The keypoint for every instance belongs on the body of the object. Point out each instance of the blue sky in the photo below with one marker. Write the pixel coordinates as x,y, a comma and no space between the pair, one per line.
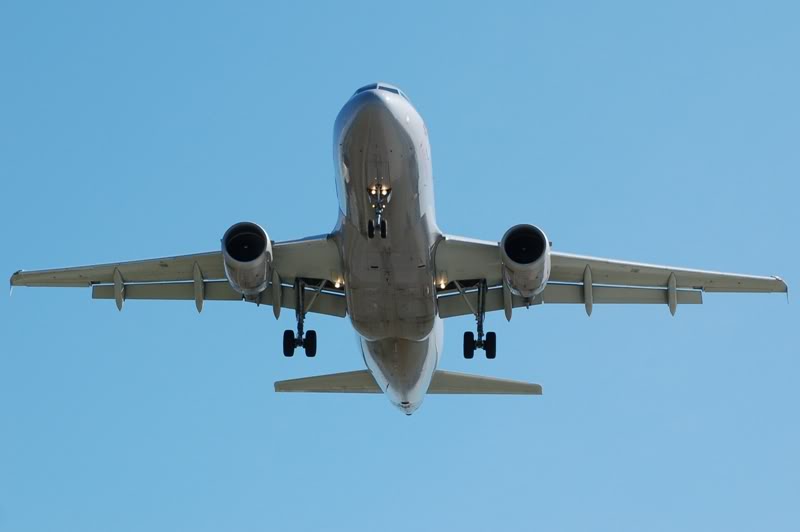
660,132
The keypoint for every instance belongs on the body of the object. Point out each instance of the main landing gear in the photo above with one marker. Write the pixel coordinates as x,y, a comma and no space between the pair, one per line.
307,340
379,196
489,343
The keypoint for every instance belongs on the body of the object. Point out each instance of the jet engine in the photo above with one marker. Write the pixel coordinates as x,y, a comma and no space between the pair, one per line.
525,252
247,254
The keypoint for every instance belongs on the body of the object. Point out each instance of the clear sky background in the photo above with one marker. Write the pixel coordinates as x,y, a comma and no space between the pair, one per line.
661,132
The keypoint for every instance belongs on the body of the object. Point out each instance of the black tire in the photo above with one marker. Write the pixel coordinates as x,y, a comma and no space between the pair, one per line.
310,344
370,229
383,228
490,345
288,343
469,344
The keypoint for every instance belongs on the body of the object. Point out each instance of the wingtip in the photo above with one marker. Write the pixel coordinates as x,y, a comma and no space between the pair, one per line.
11,281
784,286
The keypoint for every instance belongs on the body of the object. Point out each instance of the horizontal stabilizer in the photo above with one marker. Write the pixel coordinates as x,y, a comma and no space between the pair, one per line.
350,382
444,382
450,382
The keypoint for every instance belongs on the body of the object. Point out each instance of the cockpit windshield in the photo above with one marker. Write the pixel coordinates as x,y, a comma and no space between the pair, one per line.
383,87
371,86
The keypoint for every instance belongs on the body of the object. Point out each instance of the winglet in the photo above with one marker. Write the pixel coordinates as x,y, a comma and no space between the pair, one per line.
11,282
785,286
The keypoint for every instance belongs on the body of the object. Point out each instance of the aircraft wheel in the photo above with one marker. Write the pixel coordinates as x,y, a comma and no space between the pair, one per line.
490,345
383,228
469,344
371,229
288,343
310,343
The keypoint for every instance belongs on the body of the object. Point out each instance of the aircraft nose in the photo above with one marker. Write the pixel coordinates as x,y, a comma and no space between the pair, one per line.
367,97
372,106
369,112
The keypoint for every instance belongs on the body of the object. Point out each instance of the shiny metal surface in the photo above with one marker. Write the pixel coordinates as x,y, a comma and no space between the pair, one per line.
525,253
381,263
381,141
403,368
247,257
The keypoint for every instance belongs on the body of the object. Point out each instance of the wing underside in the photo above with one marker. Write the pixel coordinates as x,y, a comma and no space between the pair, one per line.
464,262
201,277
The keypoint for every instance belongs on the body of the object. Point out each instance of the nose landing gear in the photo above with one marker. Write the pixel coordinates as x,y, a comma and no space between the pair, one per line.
380,223
379,196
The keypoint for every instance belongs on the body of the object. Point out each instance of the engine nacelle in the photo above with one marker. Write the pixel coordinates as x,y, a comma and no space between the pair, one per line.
525,252
247,254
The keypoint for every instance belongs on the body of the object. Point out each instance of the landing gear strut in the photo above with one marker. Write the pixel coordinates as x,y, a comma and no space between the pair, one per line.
379,196
489,343
306,340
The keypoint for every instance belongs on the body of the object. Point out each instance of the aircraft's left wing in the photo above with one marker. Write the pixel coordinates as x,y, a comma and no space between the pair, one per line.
201,277
609,281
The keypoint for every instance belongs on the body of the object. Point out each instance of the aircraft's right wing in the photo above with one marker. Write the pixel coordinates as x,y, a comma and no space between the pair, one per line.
201,277
611,281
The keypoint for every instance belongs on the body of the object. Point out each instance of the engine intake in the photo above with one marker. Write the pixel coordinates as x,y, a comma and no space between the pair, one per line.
525,252
247,254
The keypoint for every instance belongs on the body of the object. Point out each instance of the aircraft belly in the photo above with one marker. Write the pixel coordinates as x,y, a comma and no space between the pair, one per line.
390,291
389,279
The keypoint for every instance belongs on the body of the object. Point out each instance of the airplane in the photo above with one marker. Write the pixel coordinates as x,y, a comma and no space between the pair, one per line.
389,267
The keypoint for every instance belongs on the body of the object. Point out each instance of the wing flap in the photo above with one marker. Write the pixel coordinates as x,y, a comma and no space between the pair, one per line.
213,291
332,304
452,304
570,293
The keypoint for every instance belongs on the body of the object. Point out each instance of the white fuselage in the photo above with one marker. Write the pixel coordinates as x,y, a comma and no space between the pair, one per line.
381,142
